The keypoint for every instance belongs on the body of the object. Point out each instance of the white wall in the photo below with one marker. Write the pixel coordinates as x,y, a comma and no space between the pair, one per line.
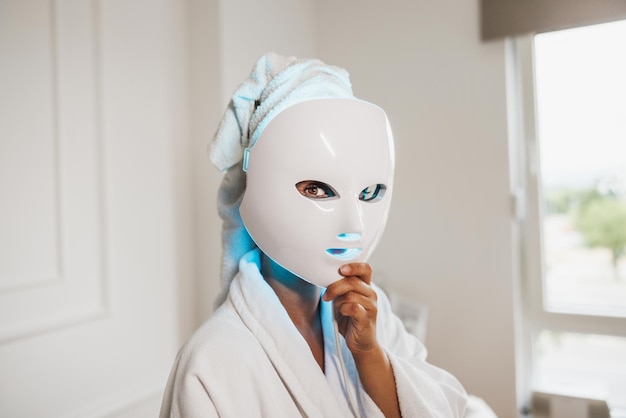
448,241
203,31
252,28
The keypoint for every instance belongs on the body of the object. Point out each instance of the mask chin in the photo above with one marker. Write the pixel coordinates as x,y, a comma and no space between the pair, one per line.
322,272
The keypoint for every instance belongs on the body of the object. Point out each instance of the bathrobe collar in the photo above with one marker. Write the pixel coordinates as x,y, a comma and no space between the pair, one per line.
261,311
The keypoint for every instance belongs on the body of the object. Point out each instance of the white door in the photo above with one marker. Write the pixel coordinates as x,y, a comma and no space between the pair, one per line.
88,305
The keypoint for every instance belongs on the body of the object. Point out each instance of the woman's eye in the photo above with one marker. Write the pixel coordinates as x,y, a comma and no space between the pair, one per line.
315,189
372,192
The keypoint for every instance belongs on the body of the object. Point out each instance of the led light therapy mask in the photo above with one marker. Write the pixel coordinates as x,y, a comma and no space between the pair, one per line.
319,183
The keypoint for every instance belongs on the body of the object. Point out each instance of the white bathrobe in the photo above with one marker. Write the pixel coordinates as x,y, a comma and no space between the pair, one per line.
249,360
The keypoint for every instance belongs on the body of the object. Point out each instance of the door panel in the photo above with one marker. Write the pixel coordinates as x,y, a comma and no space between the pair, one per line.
52,258
88,312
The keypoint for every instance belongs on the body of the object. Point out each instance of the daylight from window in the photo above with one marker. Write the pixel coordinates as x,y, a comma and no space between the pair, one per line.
580,77
581,115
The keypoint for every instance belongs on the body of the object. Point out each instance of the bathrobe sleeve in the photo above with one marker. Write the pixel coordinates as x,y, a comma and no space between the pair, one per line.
185,396
423,390
224,371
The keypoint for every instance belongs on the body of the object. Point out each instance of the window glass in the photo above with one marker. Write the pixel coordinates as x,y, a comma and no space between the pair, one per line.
580,77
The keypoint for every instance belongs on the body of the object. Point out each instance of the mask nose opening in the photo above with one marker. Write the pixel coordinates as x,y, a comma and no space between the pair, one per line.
349,236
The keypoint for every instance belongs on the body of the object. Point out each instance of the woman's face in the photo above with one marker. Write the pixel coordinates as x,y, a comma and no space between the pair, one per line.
319,186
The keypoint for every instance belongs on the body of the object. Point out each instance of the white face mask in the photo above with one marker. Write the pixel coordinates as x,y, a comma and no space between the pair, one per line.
319,186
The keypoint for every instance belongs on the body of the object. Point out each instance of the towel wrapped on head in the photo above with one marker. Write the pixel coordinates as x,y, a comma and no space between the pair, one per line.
275,83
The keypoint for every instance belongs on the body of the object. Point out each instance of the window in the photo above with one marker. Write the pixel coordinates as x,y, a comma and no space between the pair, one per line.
569,129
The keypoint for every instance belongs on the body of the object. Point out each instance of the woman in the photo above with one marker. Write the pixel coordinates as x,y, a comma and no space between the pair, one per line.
301,330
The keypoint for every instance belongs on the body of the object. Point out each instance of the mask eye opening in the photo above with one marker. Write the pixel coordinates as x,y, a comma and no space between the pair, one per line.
316,190
373,193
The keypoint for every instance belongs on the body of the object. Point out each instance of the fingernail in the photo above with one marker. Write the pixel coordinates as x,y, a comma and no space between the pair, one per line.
345,269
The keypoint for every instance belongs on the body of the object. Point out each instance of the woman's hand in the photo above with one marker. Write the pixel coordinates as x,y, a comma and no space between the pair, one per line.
354,303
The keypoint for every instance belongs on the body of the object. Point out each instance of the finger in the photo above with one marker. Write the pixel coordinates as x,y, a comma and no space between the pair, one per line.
348,284
361,270
368,303
356,311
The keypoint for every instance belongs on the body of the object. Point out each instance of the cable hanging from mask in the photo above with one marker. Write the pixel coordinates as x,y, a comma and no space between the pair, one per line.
352,401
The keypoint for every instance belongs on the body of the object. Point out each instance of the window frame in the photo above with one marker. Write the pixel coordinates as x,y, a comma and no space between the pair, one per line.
527,209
